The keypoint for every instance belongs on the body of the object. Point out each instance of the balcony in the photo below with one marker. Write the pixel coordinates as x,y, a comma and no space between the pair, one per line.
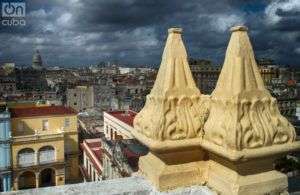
5,168
27,157
43,163
36,137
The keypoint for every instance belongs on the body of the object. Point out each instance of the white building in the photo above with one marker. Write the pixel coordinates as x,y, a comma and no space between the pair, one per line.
118,124
126,70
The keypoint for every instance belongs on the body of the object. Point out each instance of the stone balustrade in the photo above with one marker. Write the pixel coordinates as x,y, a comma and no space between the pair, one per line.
35,137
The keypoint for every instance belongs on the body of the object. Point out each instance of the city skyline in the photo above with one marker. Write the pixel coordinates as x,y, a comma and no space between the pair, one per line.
74,33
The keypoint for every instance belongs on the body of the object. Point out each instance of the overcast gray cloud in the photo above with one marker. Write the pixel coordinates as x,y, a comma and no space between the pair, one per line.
85,32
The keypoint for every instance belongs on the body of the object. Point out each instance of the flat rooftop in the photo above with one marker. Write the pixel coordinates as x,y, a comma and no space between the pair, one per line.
124,116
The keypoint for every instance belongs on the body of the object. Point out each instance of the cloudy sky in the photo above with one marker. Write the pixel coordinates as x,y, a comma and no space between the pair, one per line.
84,32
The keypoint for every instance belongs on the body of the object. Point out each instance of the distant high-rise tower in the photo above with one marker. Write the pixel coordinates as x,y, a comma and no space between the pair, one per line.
37,62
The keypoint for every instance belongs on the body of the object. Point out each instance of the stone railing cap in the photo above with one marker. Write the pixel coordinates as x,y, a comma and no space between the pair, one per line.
238,28
175,30
128,185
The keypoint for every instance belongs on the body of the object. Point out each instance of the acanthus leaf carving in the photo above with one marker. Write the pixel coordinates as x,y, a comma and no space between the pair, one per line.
243,114
174,109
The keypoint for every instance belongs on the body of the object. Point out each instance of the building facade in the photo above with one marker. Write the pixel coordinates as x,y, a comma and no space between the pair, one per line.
118,124
29,79
120,150
205,74
114,155
5,150
120,157
7,87
92,166
80,97
44,146
103,92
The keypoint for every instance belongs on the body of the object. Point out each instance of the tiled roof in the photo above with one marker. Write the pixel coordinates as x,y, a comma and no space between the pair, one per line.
41,111
126,117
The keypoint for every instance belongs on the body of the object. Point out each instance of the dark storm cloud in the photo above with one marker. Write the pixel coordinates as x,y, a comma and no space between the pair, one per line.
73,32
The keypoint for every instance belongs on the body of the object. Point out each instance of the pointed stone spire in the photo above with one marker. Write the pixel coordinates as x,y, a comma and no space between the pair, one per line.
171,122
172,110
174,74
240,72
243,114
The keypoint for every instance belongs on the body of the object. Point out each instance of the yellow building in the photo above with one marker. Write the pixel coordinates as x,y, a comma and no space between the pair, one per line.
44,146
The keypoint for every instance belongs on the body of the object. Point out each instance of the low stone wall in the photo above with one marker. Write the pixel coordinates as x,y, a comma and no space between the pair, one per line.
135,185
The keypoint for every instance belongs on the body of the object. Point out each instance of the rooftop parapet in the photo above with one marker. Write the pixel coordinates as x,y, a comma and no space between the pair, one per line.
123,186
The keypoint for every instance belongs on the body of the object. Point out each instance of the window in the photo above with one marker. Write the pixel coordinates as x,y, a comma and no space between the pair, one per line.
45,125
75,103
86,163
46,154
75,94
67,122
26,157
90,169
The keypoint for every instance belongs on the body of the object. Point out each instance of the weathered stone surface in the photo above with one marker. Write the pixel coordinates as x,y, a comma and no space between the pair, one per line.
243,114
173,109
245,131
173,170
125,186
171,122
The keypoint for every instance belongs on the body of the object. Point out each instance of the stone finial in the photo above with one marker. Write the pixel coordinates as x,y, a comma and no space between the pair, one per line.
172,110
238,28
171,123
243,114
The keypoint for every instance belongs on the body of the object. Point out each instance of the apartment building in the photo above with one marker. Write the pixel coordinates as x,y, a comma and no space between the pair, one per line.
5,150
80,97
44,146
118,124
92,166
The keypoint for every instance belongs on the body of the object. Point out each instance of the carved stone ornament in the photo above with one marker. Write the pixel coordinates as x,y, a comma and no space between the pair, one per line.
173,109
243,114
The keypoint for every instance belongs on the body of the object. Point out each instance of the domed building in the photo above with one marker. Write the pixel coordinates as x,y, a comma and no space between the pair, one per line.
37,62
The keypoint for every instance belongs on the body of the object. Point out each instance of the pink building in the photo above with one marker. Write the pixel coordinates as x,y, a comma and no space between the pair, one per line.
92,159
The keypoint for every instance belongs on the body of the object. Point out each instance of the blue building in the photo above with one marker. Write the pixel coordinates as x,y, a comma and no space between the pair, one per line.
5,150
